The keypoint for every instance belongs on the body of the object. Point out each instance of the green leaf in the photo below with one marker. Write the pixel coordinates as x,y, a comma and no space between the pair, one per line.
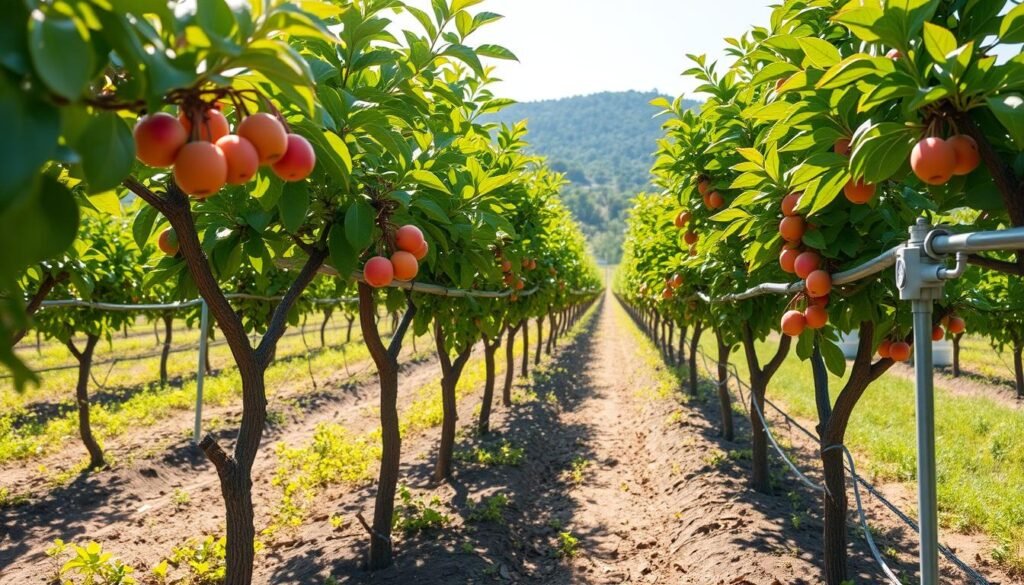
142,225
428,179
848,71
1012,28
1009,110
466,55
938,41
42,224
496,52
31,130
820,53
359,220
343,257
835,361
107,150
880,150
215,18
61,53
293,205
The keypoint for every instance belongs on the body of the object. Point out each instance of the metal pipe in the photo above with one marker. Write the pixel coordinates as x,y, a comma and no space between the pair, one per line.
957,271
926,476
204,331
1005,239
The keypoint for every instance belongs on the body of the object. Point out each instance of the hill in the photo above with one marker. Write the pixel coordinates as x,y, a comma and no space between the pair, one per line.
603,143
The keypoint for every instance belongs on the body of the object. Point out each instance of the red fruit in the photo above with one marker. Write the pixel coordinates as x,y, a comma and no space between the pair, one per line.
816,316
933,160
900,351
789,203
792,228
957,325
693,250
690,237
703,186
682,219
533,264
818,301
780,82
806,263
666,294
243,161
676,281
404,265
200,169
506,266
793,323
818,283
267,134
842,146
937,333
212,125
858,192
966,151
168,242
378,272
714,200
158,138
520,285
885,348
508,279
298,160
409,238
787,260
421,253
894,54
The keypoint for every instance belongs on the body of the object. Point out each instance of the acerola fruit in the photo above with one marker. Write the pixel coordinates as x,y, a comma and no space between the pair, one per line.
789,203
243,161
703,186
421,253
957,325
787,260
884,348
937,333
409,238
858,192
793,323
158,138
404,265
506,266
900,351
378,272
508,279
842,146
212,125
693,250
267,134
818,283
666,294
168,242
200,169
816,316
520,285
933,160
298,160
965,149
792,228
690,237
677,280
714,200
806,263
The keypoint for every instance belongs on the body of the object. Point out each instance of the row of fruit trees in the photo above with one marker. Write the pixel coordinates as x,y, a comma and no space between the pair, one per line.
833,130
257,145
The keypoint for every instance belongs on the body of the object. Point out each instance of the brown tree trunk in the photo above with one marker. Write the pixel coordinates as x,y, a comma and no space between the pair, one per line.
682,344
694,345
724,399
166,351
451,371
669,345
84,358
1018,369
34,303
490,348
540,340
323,328
524,368
835,512
351,320
956,354
759,378
510,366
552,333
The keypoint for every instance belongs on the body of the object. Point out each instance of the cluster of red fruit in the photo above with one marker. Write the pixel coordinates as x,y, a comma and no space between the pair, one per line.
690,237
712,199
856,192
806,264
206,156
671,284
935,161
403,265
508,277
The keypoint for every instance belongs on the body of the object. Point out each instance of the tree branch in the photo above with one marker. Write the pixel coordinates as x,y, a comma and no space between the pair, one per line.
403,327
748,348
279,320
222,462
442,350
779,357
997,265
45,287
74,350
1006,181
368,323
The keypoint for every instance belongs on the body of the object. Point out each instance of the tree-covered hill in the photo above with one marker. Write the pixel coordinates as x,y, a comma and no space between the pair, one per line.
603,143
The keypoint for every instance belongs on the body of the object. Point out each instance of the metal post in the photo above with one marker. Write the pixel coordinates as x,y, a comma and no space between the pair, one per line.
926,477
204,331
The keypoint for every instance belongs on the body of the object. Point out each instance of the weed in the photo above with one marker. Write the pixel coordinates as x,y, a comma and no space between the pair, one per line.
180,498
203,560
415,515
503,454
490,509
88,565
568,545
579,469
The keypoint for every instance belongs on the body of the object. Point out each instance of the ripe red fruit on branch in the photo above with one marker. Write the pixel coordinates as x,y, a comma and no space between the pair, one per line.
806,263
212,124
168,242
957,325
789,203
816,316
242,159
690,237
885,348
787,260
703,186
842,146
965,150
404,265
900,351
676,281
520,285
818,283
267,134
666,294
409,238
793,323
158,138
714,200
378,272
421,253
937,333
506,266
298,160
933,160
858,192
792,228
200,169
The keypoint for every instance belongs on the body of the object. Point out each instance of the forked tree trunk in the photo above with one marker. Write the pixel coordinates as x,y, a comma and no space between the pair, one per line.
490,348
84,358
524,368
510,366
323,327
698,329
759,378
351,320
540,340
956,354
451,371
724,399
166,351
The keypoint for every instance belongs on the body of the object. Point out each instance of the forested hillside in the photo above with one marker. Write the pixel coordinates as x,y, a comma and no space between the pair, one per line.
603,143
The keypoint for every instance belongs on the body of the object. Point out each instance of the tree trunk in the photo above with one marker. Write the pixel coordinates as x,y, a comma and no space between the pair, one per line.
166,352
84,358
510,366
351,319
682,345
1018,369
835,516
490,348
552,333
694,344
540,340
956,354
669,346
524,368
323,328
758,438
724,399
451,371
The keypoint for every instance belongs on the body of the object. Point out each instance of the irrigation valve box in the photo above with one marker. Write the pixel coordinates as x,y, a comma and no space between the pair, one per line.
919,276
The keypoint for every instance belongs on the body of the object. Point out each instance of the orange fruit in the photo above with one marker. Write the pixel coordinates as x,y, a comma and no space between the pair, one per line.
267,134
158,138
243,161
200,169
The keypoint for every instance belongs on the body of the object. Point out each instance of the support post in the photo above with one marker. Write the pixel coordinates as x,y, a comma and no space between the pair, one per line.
926,478
204,333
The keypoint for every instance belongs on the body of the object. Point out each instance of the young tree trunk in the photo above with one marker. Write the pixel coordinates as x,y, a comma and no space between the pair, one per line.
510,366
84,358
451,371
323,327
669,345
698,328
956,354
351,319
552,333
724,400
759,378
490,348
524,368
1018,369
683,329
540,340
166,351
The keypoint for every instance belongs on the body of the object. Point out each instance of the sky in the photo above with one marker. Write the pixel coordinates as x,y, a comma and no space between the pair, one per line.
574,47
